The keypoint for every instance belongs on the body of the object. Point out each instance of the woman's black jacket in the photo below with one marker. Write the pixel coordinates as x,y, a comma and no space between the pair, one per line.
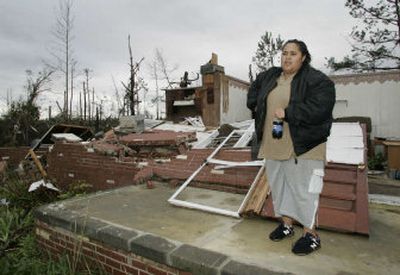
309,112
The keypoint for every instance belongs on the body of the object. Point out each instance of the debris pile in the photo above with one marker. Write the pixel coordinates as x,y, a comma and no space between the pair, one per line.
147,145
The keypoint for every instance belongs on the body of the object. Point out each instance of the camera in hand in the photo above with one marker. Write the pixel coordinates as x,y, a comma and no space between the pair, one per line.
277,129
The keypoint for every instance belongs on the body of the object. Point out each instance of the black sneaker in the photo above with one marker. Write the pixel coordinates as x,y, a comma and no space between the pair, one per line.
281,232
306,244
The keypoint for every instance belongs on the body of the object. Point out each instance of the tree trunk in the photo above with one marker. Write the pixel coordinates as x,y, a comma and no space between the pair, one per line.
72,92
66,70
93,103
80,106
84,101
132,80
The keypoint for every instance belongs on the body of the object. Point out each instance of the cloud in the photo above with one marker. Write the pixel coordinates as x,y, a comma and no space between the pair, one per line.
187,32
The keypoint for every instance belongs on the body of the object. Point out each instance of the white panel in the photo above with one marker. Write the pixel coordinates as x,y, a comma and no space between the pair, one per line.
345,155
379,101
344,129
237,110
345,144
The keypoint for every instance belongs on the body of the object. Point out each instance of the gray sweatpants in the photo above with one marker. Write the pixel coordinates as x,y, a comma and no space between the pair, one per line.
295,188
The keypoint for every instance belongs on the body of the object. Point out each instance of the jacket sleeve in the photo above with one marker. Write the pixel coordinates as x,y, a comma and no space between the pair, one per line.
317,106
253,92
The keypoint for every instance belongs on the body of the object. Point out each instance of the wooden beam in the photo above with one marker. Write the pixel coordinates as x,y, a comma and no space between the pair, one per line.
257,196
37,163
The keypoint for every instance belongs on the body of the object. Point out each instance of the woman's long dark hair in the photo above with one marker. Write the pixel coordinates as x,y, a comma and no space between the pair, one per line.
303,49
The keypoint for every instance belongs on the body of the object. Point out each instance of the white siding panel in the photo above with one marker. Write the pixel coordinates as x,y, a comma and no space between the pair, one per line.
237,109
379,101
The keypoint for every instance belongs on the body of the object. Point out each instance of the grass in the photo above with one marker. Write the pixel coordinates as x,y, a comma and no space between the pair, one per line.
19,253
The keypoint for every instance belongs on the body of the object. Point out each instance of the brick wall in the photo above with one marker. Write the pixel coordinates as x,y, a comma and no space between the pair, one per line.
119,249
67,163
59,242
236,180
13,155
70,162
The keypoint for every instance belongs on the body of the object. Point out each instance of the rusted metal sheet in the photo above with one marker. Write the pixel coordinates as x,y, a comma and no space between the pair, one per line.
344,198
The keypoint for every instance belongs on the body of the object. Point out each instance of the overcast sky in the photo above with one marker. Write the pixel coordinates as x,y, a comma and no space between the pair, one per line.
186,31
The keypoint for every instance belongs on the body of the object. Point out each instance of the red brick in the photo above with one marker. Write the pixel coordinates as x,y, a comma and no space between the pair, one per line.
156,271
138,264
113,263
53,237
118,272
62,243
130,270
71,246
15,154
54,252
89,253
100,258
103,250
118,257
49,243
87,166
51,249
112,254
39,240
89,246
107,269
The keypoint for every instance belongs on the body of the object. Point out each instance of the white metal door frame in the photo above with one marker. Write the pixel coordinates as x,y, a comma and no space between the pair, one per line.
223,164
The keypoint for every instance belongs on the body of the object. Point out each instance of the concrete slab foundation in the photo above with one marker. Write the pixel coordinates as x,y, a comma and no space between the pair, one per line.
142,221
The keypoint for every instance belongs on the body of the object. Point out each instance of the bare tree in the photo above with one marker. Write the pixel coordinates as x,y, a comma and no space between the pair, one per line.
73,64
9,96
154,73
164,68
37,84
160,71
142,86
62,51
132,88
132,79
80,106
120,103
155,76
84,100
93,103
86,95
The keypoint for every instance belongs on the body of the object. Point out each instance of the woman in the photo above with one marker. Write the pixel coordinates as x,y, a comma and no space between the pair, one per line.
302,99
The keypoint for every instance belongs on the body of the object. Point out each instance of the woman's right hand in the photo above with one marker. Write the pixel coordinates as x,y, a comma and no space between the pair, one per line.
280,113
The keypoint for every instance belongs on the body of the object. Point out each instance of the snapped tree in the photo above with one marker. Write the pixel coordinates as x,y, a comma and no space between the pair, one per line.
134,85
23,115
87,106
376,42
